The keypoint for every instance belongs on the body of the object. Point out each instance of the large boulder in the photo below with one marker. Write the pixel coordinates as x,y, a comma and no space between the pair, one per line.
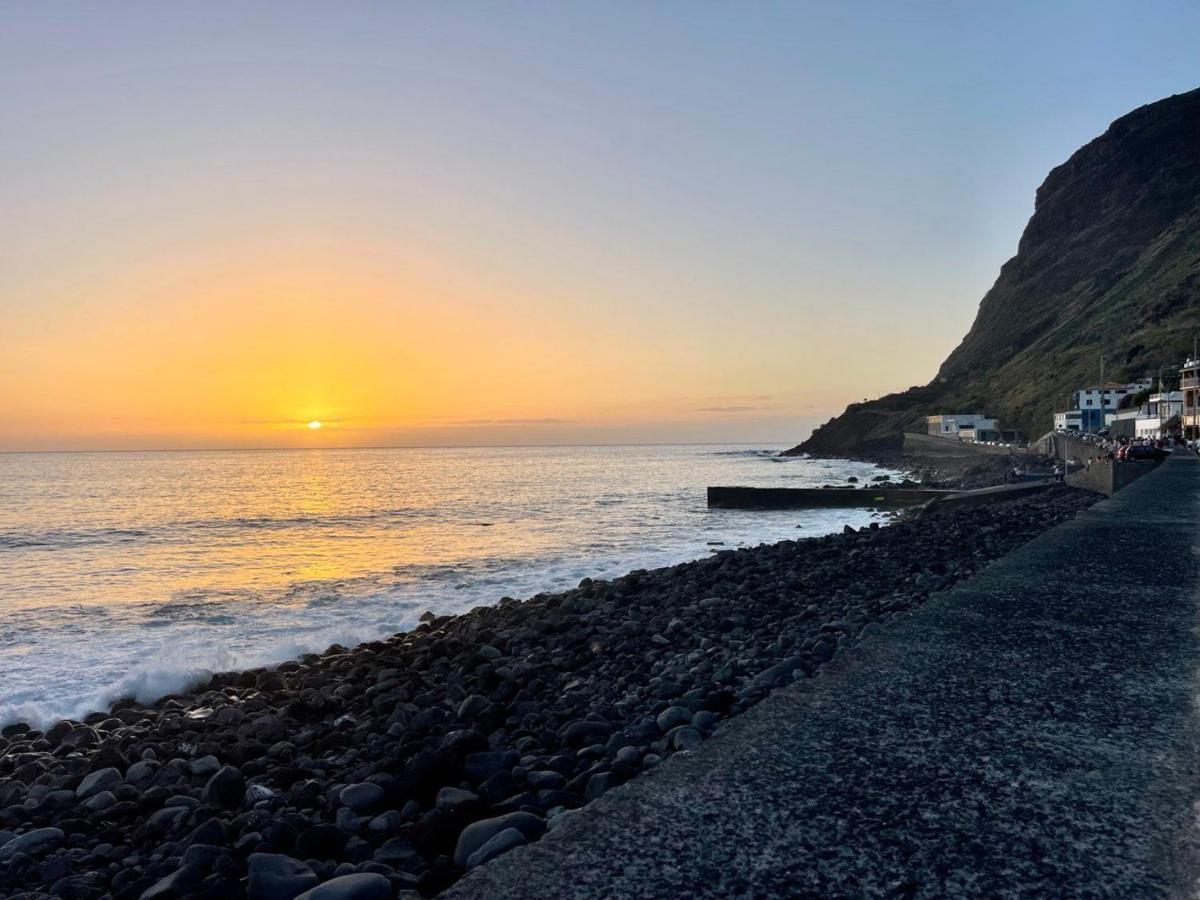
362,886
273,876
497,844
226,788
197,862
362,797
32,843
585,731
100,780
141,772
205,766
479,833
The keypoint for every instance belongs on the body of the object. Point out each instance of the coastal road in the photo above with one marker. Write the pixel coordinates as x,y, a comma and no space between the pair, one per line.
1031,732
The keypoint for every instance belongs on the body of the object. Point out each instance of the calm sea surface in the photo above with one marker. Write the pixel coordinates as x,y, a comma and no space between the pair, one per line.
134,572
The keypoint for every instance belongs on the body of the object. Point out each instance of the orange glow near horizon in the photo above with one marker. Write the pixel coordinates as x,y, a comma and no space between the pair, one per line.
446,225
236,348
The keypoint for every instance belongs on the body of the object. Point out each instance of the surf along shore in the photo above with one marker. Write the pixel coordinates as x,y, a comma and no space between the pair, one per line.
395,766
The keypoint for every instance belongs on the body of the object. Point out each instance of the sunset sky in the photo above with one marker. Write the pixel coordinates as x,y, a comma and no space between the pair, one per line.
481,223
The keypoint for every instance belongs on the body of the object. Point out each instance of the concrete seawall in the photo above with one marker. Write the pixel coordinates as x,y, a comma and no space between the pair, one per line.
1030,732
1107,476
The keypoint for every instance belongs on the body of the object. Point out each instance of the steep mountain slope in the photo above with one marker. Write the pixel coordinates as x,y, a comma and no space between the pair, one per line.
1109,264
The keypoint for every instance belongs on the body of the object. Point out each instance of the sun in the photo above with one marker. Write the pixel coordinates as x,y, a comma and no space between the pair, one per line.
314,424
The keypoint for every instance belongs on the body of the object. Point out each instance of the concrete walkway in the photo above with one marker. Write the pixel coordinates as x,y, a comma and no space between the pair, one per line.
1032,732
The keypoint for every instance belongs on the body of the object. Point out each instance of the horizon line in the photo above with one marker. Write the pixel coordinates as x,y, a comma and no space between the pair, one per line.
403,447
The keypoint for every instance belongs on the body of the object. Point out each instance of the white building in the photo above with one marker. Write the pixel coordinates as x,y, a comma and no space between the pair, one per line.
1071,420
1158,413
953,425
1150,419
1090,405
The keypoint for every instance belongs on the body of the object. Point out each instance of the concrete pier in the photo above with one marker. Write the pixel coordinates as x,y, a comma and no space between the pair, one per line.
1031,732
819,498
868,497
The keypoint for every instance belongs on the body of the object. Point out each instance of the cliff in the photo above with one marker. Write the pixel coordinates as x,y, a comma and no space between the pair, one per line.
1109,264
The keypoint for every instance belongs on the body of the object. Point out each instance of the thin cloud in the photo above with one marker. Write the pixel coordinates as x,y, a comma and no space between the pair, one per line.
545,421
731,409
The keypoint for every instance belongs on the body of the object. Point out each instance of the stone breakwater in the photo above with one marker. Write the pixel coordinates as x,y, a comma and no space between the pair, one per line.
390,769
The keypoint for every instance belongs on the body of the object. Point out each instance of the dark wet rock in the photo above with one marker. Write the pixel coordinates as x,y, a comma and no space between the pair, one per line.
81,736
56,732
362,797
273,876
101,780
628,757
32,843
473,707
399,853
225,788
672,717
780,673
495,845
53,869
320,842
210,831
141,772
481,766
578,734
598,783
455,799
386,823
168,818
704,720
479,833
180,883
100,802
108,755
227,715
205,766
545,780
358,886
271,681
685,737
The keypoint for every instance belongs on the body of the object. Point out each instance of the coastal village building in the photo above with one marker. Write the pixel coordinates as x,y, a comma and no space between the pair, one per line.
1070,420
1160,414
1189,384
952,425
1090,405
970,427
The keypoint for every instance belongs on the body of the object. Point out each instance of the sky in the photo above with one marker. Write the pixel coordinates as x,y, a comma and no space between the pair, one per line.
521,223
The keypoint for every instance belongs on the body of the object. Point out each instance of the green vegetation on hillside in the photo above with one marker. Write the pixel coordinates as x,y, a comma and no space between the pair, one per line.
1108,267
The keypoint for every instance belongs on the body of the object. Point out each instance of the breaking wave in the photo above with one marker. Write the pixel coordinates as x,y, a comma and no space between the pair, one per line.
196,563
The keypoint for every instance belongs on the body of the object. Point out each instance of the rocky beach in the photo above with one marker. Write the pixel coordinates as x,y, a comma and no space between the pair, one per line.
391,768
454,454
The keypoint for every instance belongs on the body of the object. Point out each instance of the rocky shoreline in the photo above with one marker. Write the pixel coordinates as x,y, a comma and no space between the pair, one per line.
962,473
390,769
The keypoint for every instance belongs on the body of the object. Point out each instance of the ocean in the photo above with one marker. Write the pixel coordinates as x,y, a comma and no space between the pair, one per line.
137,573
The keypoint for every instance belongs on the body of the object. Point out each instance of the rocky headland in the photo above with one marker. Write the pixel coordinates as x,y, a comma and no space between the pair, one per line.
1107,267
390,769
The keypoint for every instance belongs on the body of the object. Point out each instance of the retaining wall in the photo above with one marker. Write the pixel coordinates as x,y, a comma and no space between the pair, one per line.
1107,476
